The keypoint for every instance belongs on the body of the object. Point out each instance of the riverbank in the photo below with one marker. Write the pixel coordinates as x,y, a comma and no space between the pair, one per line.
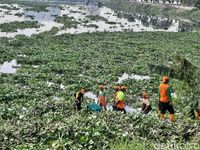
160,10
178,6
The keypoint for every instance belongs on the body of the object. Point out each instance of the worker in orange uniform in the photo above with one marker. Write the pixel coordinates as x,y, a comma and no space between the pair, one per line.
120,99
146,107
102,98
165,99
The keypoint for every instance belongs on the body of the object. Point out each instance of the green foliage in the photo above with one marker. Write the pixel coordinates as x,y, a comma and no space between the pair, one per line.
8,8
92,26
133,145
37,8
197,4
36,115
189,2
68,22
96,18
13,26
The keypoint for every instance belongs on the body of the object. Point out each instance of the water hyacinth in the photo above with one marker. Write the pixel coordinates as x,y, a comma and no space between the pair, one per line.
37,101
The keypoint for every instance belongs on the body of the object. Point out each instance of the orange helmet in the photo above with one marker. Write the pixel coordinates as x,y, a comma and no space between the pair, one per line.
123,87
101,87
165,79
116,87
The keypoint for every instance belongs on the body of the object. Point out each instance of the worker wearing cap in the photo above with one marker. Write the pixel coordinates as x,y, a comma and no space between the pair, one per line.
79,98
102,98
165,99
120,99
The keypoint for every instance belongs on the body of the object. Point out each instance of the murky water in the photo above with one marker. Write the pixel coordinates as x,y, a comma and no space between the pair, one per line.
113,21
9,67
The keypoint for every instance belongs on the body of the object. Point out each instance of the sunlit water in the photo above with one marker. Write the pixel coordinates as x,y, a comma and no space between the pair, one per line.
116,21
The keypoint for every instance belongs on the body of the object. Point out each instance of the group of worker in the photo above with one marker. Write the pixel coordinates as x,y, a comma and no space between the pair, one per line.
165,100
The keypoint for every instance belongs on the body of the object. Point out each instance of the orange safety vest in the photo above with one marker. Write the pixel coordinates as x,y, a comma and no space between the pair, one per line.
163,93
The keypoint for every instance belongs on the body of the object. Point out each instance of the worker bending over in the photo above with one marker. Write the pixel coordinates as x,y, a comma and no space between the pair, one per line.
79,98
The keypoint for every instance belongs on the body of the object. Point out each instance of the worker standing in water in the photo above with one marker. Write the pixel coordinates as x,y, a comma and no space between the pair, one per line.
79,98
120,99
102,98
146,107
165,99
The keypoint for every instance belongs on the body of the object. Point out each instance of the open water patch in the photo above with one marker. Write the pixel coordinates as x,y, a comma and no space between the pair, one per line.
9,67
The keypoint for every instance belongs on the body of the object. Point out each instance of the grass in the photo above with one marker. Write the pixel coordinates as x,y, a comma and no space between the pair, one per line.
14,26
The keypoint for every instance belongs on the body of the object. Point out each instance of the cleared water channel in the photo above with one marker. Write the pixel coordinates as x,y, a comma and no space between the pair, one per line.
113,21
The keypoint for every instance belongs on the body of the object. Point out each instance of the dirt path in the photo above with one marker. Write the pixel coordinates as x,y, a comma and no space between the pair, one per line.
181,7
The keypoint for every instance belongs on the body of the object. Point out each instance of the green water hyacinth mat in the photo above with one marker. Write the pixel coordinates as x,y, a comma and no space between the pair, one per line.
36,113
